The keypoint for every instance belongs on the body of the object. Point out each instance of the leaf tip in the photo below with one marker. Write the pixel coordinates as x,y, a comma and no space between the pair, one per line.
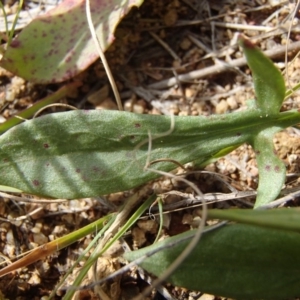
245,43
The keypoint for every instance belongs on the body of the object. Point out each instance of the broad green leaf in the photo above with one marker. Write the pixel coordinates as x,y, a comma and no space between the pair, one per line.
88,153
283,218
237,261
58,45
271,168
268,82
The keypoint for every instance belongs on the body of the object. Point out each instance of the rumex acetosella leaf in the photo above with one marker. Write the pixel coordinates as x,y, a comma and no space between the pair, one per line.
268,82
236,261
270,92
271,168
281,218
58,45
90,153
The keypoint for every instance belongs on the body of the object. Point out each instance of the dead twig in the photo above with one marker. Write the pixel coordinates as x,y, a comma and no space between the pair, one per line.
217,69
165,46
28,200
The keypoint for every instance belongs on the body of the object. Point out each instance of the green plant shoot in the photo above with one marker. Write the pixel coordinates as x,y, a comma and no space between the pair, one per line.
90,153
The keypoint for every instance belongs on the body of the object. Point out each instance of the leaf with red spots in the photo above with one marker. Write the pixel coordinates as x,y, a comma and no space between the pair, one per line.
58,45
92,153
270,92
271,168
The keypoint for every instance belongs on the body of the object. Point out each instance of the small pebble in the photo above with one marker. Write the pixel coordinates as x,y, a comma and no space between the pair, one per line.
222,107
40,238
10,95
232,103
10,237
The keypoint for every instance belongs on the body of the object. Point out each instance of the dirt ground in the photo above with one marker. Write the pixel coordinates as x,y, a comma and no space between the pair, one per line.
154,59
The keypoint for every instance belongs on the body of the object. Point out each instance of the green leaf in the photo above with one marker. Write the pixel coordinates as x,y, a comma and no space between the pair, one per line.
237,261
271,168
268,82
58,45
283,218
89,153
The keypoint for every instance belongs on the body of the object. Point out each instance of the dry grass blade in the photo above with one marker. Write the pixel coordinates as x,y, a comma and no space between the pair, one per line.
102,56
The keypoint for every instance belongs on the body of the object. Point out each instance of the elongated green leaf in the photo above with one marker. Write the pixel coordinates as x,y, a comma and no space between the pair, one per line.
237,261
271,168
88,153
268,82
284,218
270,92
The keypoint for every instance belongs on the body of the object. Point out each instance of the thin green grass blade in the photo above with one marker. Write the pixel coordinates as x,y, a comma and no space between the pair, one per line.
84,270
94,255
161,219
82,255
29,112
282,218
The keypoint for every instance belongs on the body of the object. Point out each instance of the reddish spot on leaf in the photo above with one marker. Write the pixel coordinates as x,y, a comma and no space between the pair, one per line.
277,169
36,182
95,169
137,125
257,152
268,168
238,134
5,159
46,20
77,170
15,44
46,146
84,178
68,59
